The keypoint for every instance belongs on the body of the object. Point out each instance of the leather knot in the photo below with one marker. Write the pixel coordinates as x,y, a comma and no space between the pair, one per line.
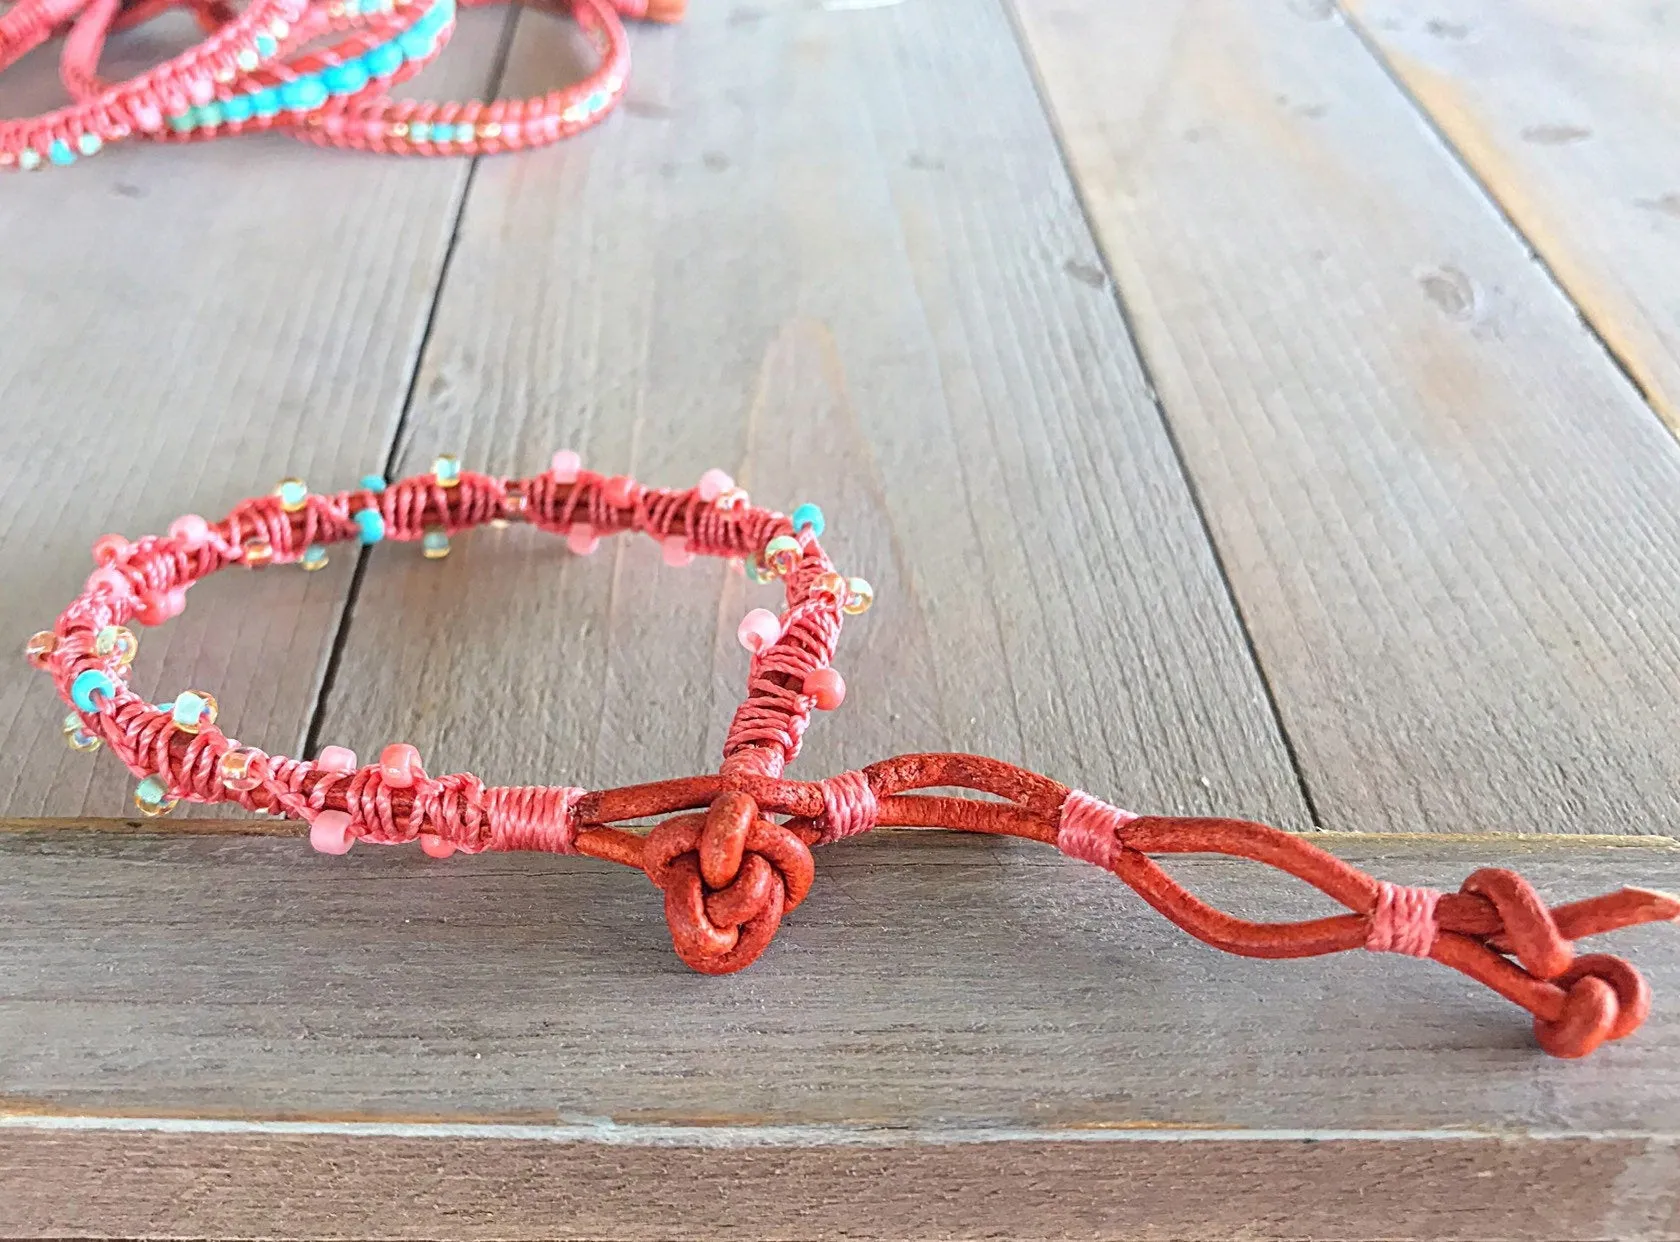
1604,998
729,875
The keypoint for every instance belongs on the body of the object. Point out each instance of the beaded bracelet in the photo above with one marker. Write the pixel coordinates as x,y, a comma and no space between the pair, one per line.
728,869
332,97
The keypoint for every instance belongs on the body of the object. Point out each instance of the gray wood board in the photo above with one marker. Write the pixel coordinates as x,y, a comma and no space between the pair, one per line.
953,1036
1448,520
1570,117
184,326
809,252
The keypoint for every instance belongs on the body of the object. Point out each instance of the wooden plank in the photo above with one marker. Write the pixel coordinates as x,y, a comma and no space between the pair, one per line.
810,253
1447,519
219,1037
1570,117
183,327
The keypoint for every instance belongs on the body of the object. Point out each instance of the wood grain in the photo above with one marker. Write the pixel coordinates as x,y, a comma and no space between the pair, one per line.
1448,520
184,327
808,252
1570,117
205,1036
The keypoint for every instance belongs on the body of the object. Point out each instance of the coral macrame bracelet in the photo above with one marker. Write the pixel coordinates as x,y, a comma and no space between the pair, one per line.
729,870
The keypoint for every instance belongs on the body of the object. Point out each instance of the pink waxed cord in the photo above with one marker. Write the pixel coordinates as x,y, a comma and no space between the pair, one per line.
1090,828
1403,921
849,806
532,817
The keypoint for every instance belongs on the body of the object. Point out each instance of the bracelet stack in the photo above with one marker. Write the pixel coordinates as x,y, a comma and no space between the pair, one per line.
318,69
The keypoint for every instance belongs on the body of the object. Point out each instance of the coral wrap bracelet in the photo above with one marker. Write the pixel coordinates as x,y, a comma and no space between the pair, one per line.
730,868
257,71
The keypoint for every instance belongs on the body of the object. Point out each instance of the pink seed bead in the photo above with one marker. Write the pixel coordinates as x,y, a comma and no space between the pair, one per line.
619,491
565,465
713,484
153,609
202,90
107,548
148,117
826,686
112,580
329,832
336,759
190,531
399,764
436,846
581,539
675,551
175,601
758,629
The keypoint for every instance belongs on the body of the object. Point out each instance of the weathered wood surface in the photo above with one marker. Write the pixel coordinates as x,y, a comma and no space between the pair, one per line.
952,1036
183,328
1570,116
1448,520
807,253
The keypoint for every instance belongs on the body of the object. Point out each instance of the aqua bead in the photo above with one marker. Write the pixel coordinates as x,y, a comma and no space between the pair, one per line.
60,153
419,131
371,523
265,102
183,123
809,515
208,115
88,683
373,483
344,79
294,494
465,133
596,101
416,44
435,544
239,108
29,159
90,144
382,61
187,710
266,46
303,94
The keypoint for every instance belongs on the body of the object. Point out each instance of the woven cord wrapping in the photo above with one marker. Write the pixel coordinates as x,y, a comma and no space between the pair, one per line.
731,850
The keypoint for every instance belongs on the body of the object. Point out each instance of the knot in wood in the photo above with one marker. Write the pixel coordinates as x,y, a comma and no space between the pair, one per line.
729,876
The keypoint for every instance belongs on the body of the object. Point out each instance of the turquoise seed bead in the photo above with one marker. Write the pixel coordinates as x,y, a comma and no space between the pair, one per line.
182,123
382,61
809,515
265,102
90,144
372,525
447,469
373,483
303,94
435,544
464,133
238,108
208,115
166,708
60,153
247,59
266,46
187,710
419,131
152,796
596,101
344,79
29,159
88,683
294,494
416,44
